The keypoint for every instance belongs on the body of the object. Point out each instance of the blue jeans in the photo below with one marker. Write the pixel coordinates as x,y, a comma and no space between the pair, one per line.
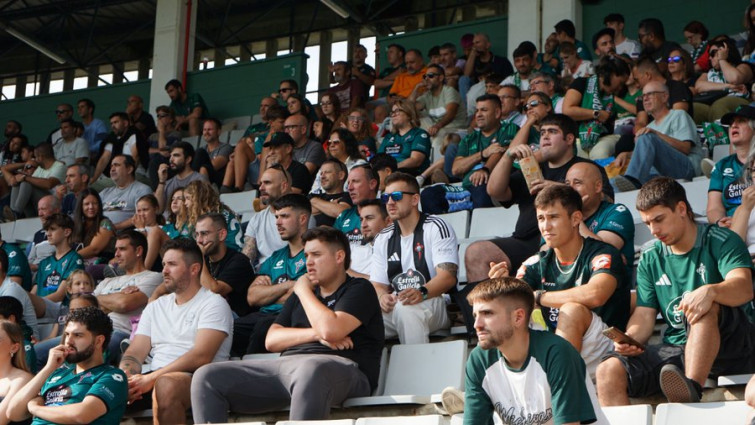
464,84
652,157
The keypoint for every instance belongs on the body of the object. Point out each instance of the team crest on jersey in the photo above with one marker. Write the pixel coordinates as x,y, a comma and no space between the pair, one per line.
674,313
117,377
702,271
602,261
528,262
419,248
621,208
409,279
299,264
12,254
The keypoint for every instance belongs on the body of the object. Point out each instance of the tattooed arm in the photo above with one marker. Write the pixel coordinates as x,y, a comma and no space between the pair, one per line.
444,280
250,248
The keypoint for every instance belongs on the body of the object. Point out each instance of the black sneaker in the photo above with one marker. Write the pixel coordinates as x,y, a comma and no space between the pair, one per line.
677,387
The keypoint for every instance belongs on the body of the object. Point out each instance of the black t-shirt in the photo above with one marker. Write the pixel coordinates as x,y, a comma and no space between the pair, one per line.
147,124
326,220
300,177
235,270
498,65
526,224
357,297
677,92
662,53
580,85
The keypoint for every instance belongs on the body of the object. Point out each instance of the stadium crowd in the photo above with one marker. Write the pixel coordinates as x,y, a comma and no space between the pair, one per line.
146,284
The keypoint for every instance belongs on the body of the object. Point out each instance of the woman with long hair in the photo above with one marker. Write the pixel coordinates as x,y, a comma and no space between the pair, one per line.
407,142
697,36
341,146
201,198
14,372
296,104
727,73
94,231
681,68
359,124
331,110
176,226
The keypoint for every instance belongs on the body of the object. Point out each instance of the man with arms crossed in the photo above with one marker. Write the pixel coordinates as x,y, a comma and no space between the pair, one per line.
330,332
183,331
520,375
75,386
698,277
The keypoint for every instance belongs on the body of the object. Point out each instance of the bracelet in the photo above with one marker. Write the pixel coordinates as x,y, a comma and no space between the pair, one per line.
159,183
482,157
485,169
538,294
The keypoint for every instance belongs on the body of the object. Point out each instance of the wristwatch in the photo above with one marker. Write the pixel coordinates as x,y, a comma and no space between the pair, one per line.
538,294
595,114
423,291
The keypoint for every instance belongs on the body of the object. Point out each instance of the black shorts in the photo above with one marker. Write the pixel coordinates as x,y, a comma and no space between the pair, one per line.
517,249
736,355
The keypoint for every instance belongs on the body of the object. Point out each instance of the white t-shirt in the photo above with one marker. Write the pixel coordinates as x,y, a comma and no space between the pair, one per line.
360,258
585,69
146,281
172,328
57,170
477,90
629,47
10,288
439,247
69,152
263,229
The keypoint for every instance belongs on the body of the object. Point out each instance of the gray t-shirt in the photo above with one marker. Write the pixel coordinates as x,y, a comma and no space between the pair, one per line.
119,204
146,281
679,125
224,149
435,106
10,288
175,183
310,152
68,152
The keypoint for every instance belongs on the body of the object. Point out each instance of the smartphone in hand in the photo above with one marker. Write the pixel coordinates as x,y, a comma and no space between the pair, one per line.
622,338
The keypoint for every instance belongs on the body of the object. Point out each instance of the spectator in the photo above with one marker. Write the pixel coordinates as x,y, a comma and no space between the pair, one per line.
306,151
742,222
93,232
11,150
248,156
261,127
588,285
291,87
362,184
410,285
70,149
680,96
573,66
668,146
362,72
123,140
383,164
64,111
605,47
94,129
12,128
342,146
352,317
350,91
373,218
331,111
176,226
359,124
681,69
537,106
124,297
728,73
98,396
29,186
147,220
201,198
181,155
652,37
179,339
441,108
449,59
749,47
546,83
602,220
119,201
549,60
141,120
567,33
281,150
384,82
18,269
408,143
217,152
556,156
190,108
40,247
332,200
481,60
524,61
277,276
297,104
511,104
564,392
16,373
708,331
624,45
589,101
408,79
697,36
727,185
261,238
77,179
10,288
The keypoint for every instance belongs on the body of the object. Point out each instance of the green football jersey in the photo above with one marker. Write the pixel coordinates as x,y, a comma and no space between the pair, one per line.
663,277
281,266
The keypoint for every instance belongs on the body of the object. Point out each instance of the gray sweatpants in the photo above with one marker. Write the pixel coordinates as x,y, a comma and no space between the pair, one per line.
25,197
310,383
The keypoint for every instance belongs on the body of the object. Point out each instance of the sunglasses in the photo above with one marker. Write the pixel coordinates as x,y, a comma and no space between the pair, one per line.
60,112
334,142
674,59
396,196
430,75
284,90
532,104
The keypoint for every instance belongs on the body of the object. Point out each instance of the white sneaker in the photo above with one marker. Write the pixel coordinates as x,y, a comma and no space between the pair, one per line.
707,165
452,400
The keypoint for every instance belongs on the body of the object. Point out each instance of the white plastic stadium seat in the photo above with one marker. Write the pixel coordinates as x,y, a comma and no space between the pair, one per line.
719,412
414,373
459,220
629,200
326,422
697,195
457,419
405,420
192,140
241,123
720,152
240,202
729,380
25,229
7,231
638,414
493,222
234,136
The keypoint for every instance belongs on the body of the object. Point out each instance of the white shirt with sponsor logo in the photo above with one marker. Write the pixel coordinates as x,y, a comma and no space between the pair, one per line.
439,242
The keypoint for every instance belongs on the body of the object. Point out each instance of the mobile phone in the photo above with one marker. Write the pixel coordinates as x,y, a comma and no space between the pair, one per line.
622,338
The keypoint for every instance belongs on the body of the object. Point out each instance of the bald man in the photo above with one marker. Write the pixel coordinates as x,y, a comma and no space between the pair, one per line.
604,221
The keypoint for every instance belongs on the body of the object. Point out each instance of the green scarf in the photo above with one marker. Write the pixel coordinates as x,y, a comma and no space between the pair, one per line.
699,50
591,130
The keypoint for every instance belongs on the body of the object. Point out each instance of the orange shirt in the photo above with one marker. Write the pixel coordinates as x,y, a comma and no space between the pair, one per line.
405,82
